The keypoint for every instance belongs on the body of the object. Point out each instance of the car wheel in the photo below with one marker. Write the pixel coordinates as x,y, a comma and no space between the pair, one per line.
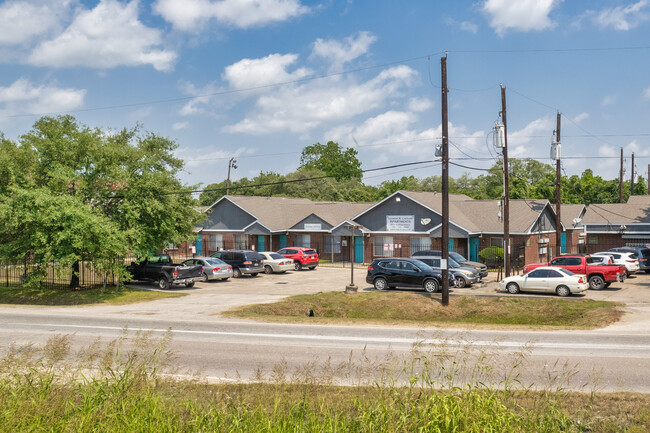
431,285
163,284
596,282
268,269
236,273
460,282
512,288
297,266
188,285
563,291
380,284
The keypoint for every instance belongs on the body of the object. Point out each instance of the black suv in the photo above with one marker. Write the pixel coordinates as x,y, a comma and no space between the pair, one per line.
243,262
391,272
643,254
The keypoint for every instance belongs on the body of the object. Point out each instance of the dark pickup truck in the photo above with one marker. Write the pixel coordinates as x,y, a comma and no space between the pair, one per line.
164,273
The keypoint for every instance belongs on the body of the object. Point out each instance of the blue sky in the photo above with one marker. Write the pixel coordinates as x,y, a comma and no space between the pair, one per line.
261,79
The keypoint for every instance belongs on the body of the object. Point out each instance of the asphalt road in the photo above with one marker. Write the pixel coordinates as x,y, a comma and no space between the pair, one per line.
616,358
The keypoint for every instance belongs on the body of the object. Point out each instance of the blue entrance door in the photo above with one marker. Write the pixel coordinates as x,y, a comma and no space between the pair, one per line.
283,241
199,245
563,242
473,249
260,243
358,249
451,244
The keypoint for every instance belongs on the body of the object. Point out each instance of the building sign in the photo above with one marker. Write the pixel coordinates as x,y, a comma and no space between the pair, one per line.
400,223
313,227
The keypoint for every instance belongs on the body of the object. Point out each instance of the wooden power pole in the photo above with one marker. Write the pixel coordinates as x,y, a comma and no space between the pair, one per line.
620,180
632,177
558,192
506,187
445,184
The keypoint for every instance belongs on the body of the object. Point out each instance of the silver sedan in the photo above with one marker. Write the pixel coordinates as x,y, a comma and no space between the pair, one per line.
213,268
274,262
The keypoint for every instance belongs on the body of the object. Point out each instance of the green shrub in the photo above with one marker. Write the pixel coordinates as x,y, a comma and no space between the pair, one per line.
491,255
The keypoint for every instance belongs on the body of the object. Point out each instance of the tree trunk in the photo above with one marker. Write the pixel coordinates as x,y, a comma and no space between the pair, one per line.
74,280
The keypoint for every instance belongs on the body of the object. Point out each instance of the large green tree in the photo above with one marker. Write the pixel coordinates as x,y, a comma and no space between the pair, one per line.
332,159
76,193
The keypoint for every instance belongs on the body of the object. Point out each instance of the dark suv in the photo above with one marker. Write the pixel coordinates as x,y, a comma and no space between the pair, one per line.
643,254
391,272
243,262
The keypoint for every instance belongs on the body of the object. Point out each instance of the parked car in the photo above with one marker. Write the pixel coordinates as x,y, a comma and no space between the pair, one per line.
164,272
302,257
464,276
546,279
390,272
642,254
598,276
243,262
213,268
602,259
481,268
627,259
274,262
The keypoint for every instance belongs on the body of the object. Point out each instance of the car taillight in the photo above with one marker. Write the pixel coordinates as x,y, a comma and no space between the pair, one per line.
248,263
230,268
215,269
630,261
581,280
643,259
175,272
370,268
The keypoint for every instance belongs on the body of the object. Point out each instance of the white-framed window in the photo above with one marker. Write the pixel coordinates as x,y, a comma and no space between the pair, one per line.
332,244
419,244
216,243
496,242
241,241
303,241
383,246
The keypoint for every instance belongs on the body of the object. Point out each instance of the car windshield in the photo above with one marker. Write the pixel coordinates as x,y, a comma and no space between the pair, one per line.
276,256
453,263
457,257
423,266
214,261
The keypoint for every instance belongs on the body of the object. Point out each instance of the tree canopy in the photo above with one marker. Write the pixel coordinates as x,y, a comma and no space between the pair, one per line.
332,159
71,193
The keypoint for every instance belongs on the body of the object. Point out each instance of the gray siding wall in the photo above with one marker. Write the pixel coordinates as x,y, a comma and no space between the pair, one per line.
226,216
312,219
454,232
375,219
257,229
546,221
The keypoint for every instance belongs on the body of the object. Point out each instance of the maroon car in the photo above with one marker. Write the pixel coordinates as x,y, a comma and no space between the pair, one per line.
302,257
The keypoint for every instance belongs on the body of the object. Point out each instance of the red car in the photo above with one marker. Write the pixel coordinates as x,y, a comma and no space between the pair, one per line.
302,257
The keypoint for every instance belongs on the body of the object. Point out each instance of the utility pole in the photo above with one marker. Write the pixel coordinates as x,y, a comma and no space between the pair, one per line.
620,180
632,177
232,164
558,191
506,188
445,184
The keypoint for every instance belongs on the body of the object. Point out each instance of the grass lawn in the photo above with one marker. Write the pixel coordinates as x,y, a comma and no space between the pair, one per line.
411,308
18,295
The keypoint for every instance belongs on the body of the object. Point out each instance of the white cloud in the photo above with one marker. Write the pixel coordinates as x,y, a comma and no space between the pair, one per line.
517,140
202,98
22,97
299,108
469,26
580,117
420,104
272,69
340,53
22,21
191,15
607,100
646,93
519,15
180,125
621,17
107,36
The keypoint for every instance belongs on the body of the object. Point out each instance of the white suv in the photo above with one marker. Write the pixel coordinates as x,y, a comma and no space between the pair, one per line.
629,260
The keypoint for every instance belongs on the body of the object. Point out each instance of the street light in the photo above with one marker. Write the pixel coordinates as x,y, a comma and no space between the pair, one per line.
351,288
232,164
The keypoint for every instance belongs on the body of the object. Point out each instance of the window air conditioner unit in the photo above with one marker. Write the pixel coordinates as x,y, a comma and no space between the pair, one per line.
543,241
542,250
